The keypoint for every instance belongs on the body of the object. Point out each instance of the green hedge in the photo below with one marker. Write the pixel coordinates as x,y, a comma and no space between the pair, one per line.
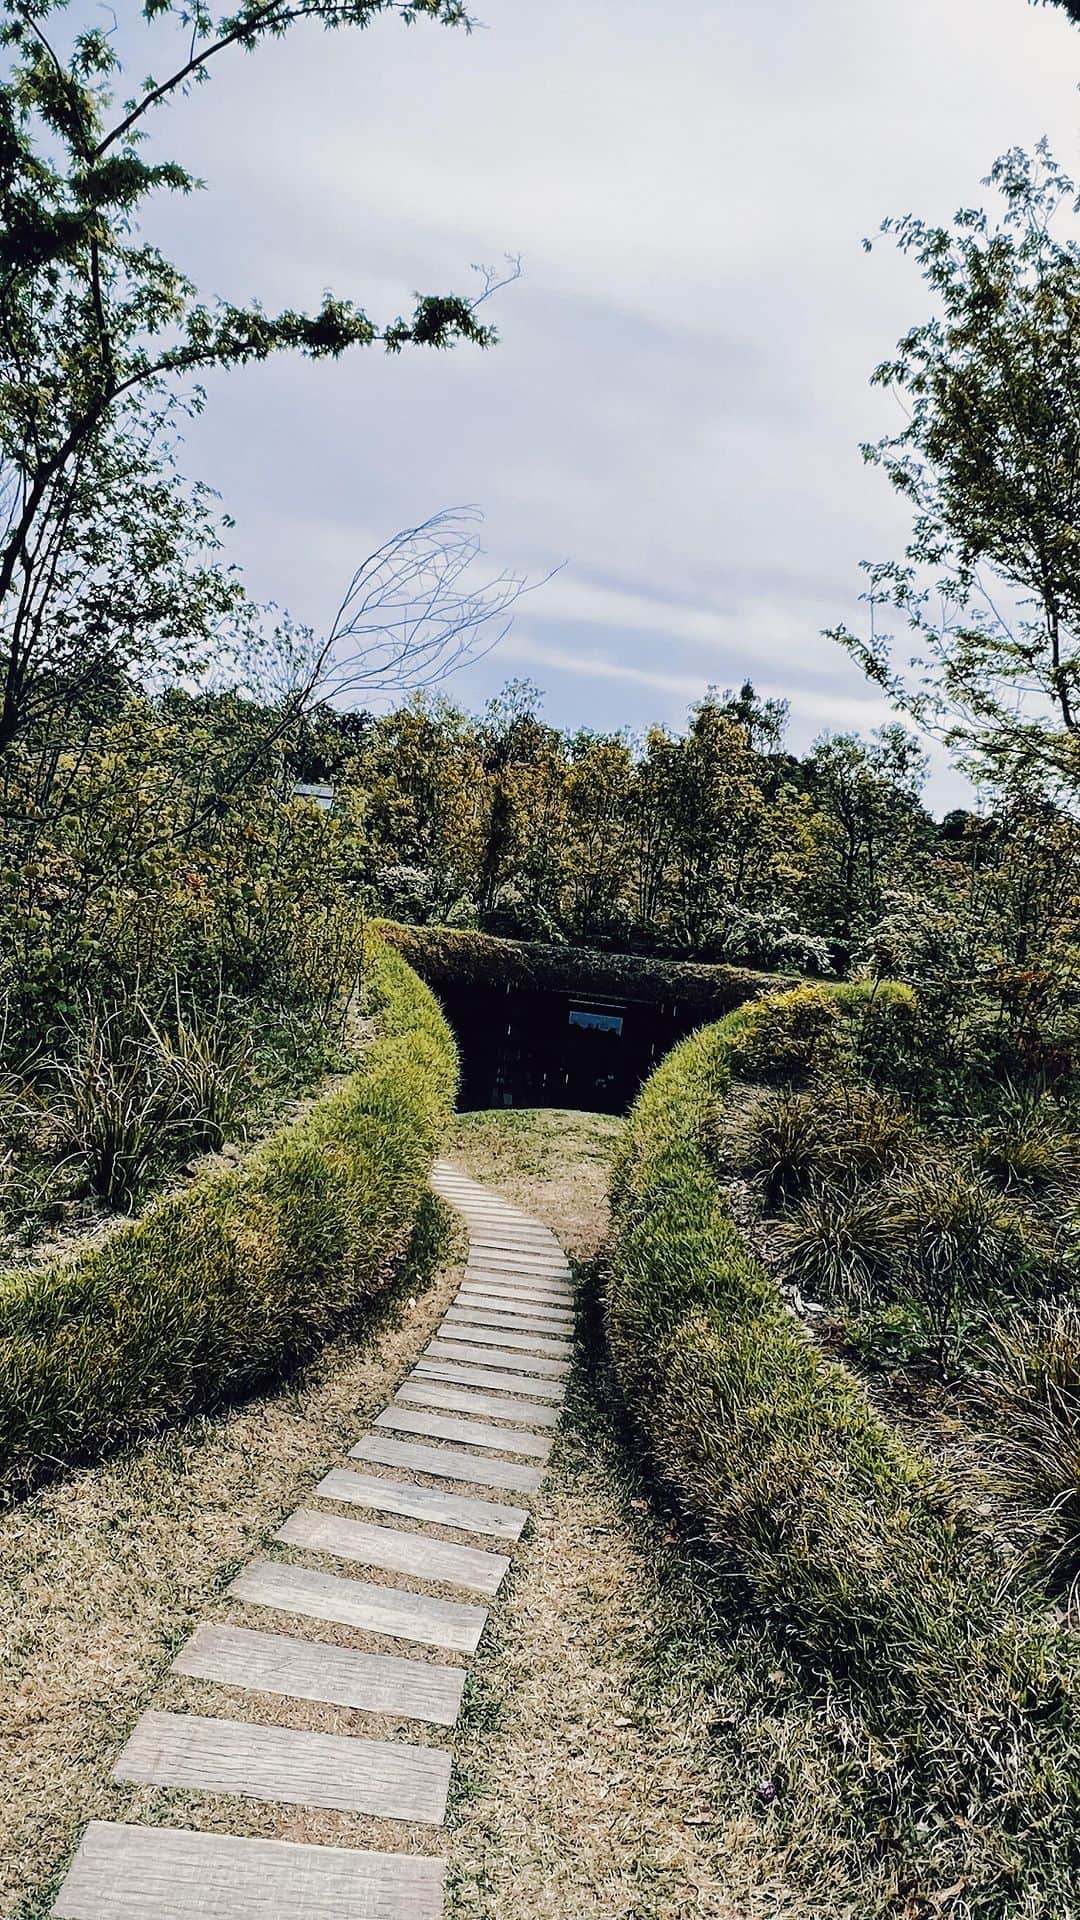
456,957
245,1273
810,1502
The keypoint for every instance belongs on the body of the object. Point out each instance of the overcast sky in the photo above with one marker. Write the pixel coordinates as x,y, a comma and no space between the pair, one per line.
677,401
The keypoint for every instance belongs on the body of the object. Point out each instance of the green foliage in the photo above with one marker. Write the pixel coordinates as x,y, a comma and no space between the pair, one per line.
986,459
831,1526
814,1029
454,956
1030,1385
242,1275
712,843
101,338
839,1245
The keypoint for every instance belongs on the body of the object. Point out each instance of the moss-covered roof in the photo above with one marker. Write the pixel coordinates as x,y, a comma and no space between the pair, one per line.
451,957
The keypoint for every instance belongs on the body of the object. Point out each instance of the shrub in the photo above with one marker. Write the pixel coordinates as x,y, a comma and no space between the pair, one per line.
832,1133
785,1143
865,1026
1034,1151
831,1526
956,1244
244,1274
1031,1387
839,1245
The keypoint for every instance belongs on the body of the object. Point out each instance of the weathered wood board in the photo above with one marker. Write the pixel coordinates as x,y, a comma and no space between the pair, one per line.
170,1873
416,1555
382,1777
315,1670
447,1464
487,1517
453,1624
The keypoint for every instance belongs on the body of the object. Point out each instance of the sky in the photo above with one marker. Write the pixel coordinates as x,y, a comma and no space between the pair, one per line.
674,412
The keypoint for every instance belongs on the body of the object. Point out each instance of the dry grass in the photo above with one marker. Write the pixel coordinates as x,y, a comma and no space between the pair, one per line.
106,1573
632,1747
551,1161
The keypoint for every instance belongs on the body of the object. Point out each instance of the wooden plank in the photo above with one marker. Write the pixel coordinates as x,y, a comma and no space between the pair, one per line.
519,1250
532,1251
515,1268
414,1554
171,1873
484,1356
488,1517
316,1670
387,1778
447,1465
499,1406
467,1313
470,1331
496,1287
560,1286
488,1379
465,1433
453,1624
538,1311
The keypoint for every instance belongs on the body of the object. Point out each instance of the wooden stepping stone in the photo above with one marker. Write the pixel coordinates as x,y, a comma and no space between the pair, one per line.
466,1433
480,1249
481,1355
553,1286
453,1624
447,1465
515,1266
170,1873
424,1503
488,1286
387,1778
471,1332
469,1400
415,1554
468,1315
316,1670
514,1247
487,1379
537,1311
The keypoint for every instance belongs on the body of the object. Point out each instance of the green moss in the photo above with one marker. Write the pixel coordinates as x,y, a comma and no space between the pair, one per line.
450,956
243,1275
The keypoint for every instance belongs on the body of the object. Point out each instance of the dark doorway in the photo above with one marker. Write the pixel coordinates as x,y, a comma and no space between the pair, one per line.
543,1047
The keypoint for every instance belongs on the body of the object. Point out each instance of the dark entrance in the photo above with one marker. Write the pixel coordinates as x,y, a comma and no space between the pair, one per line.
543,1047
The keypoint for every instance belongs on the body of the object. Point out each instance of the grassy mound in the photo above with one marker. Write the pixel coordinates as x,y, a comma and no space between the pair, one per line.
832,1527
245,1273
455,957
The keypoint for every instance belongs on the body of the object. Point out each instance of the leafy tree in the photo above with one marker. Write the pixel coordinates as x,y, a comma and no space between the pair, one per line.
989,460
101,338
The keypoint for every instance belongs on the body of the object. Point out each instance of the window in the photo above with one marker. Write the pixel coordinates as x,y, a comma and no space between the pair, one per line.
590,1017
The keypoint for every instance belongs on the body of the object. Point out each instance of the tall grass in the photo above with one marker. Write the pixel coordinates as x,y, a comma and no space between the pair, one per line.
832,1527
245,1273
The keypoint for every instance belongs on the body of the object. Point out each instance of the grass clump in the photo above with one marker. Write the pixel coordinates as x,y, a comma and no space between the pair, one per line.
831,1526
231,1282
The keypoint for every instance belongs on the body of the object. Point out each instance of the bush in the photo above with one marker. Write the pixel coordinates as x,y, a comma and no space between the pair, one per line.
830,1525
1031,1387
246,1273
818,1030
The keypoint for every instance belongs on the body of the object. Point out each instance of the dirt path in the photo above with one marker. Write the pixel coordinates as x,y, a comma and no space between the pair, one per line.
631,1748
105,1574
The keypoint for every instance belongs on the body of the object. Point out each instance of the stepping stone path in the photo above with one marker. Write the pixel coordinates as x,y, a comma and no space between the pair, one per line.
477,1411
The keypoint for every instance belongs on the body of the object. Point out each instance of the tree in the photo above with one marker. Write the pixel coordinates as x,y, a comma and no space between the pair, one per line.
101,338
990,462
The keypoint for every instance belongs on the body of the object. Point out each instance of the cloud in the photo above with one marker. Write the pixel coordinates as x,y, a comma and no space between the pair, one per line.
681,386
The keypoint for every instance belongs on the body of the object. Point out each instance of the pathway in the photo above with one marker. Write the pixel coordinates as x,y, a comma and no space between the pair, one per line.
475,1413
